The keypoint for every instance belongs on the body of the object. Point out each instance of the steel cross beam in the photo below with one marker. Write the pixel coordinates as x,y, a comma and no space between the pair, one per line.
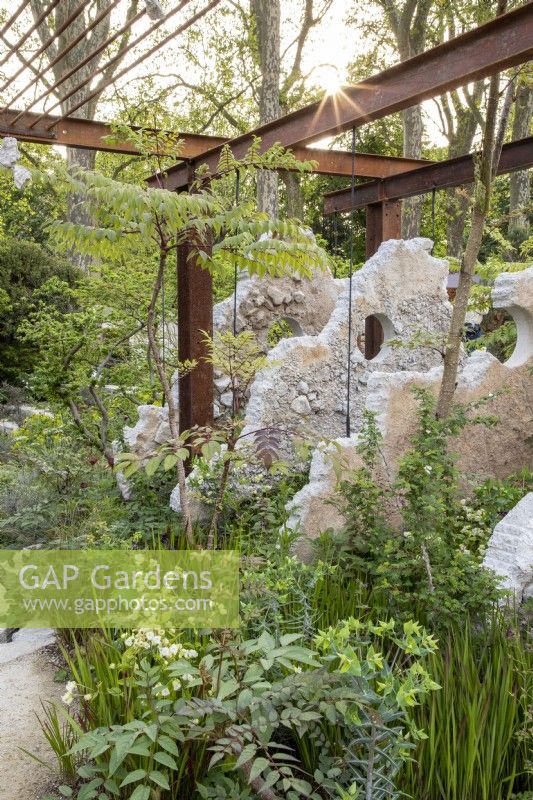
75,132
88,134
441,175
499,44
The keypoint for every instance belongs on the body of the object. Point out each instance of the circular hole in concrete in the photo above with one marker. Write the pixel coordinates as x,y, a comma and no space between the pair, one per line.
370,339
497,334
283,328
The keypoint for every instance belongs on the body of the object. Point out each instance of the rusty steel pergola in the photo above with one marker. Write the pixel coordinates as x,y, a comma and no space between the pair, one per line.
503,43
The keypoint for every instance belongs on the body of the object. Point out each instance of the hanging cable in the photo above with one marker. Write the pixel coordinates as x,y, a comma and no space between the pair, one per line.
433,198
352,224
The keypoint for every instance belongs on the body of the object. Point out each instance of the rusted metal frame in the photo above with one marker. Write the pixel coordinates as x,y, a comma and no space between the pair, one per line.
195,318
64,25
53,87
13,18
88,134
62,53
441,175
501,43
116,58
339,162
180,29
383,222
32,29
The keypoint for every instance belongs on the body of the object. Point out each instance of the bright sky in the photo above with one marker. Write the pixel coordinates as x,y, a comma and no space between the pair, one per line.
329,50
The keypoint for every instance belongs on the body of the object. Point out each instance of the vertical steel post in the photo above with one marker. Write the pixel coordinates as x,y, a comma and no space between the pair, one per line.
195,316
383,221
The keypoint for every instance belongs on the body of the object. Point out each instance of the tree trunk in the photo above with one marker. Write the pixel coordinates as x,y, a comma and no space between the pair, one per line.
295,200
520,192
490,156
77,156
413,128
267,15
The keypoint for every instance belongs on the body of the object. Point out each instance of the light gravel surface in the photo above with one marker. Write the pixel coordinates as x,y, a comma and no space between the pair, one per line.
26,679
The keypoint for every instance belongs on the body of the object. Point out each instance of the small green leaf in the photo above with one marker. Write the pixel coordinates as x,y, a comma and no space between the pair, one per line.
257,768
133,777
141,793
160,779
152,465
170,461
166,759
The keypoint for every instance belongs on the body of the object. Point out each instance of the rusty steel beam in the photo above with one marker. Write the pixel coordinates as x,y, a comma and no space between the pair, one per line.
41,73
383,221
130,67
64,25
339,163
367,165
441,175
195,318
499,44
88,134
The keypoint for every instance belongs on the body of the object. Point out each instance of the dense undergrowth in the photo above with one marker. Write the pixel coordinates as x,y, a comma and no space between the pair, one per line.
390,667
387,663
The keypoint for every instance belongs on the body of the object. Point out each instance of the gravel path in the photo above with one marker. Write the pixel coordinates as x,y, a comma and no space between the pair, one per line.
26,678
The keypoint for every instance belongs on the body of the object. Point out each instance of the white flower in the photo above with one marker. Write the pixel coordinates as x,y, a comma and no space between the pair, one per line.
176,685
428,469
70,688
164,652
129,641
164,692
87,697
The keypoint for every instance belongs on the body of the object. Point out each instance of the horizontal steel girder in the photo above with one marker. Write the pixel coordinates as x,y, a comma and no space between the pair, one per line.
442,175
504,42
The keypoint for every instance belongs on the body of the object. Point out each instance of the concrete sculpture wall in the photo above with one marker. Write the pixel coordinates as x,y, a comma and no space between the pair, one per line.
404,287
482,452
510,550
305,304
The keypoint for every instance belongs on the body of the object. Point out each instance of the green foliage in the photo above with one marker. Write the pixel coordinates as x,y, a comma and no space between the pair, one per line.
265,712
479,734
432,561
57,491
25,213
29,274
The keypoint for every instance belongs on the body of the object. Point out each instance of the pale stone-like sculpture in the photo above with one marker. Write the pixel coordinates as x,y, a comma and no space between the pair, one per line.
510,549
305,304
404,287
311,509
9,155
482,452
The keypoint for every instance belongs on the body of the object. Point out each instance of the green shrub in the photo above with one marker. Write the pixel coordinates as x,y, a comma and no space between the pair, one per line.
25,267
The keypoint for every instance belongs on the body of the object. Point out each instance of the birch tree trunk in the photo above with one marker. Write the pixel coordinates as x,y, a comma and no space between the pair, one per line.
267,15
